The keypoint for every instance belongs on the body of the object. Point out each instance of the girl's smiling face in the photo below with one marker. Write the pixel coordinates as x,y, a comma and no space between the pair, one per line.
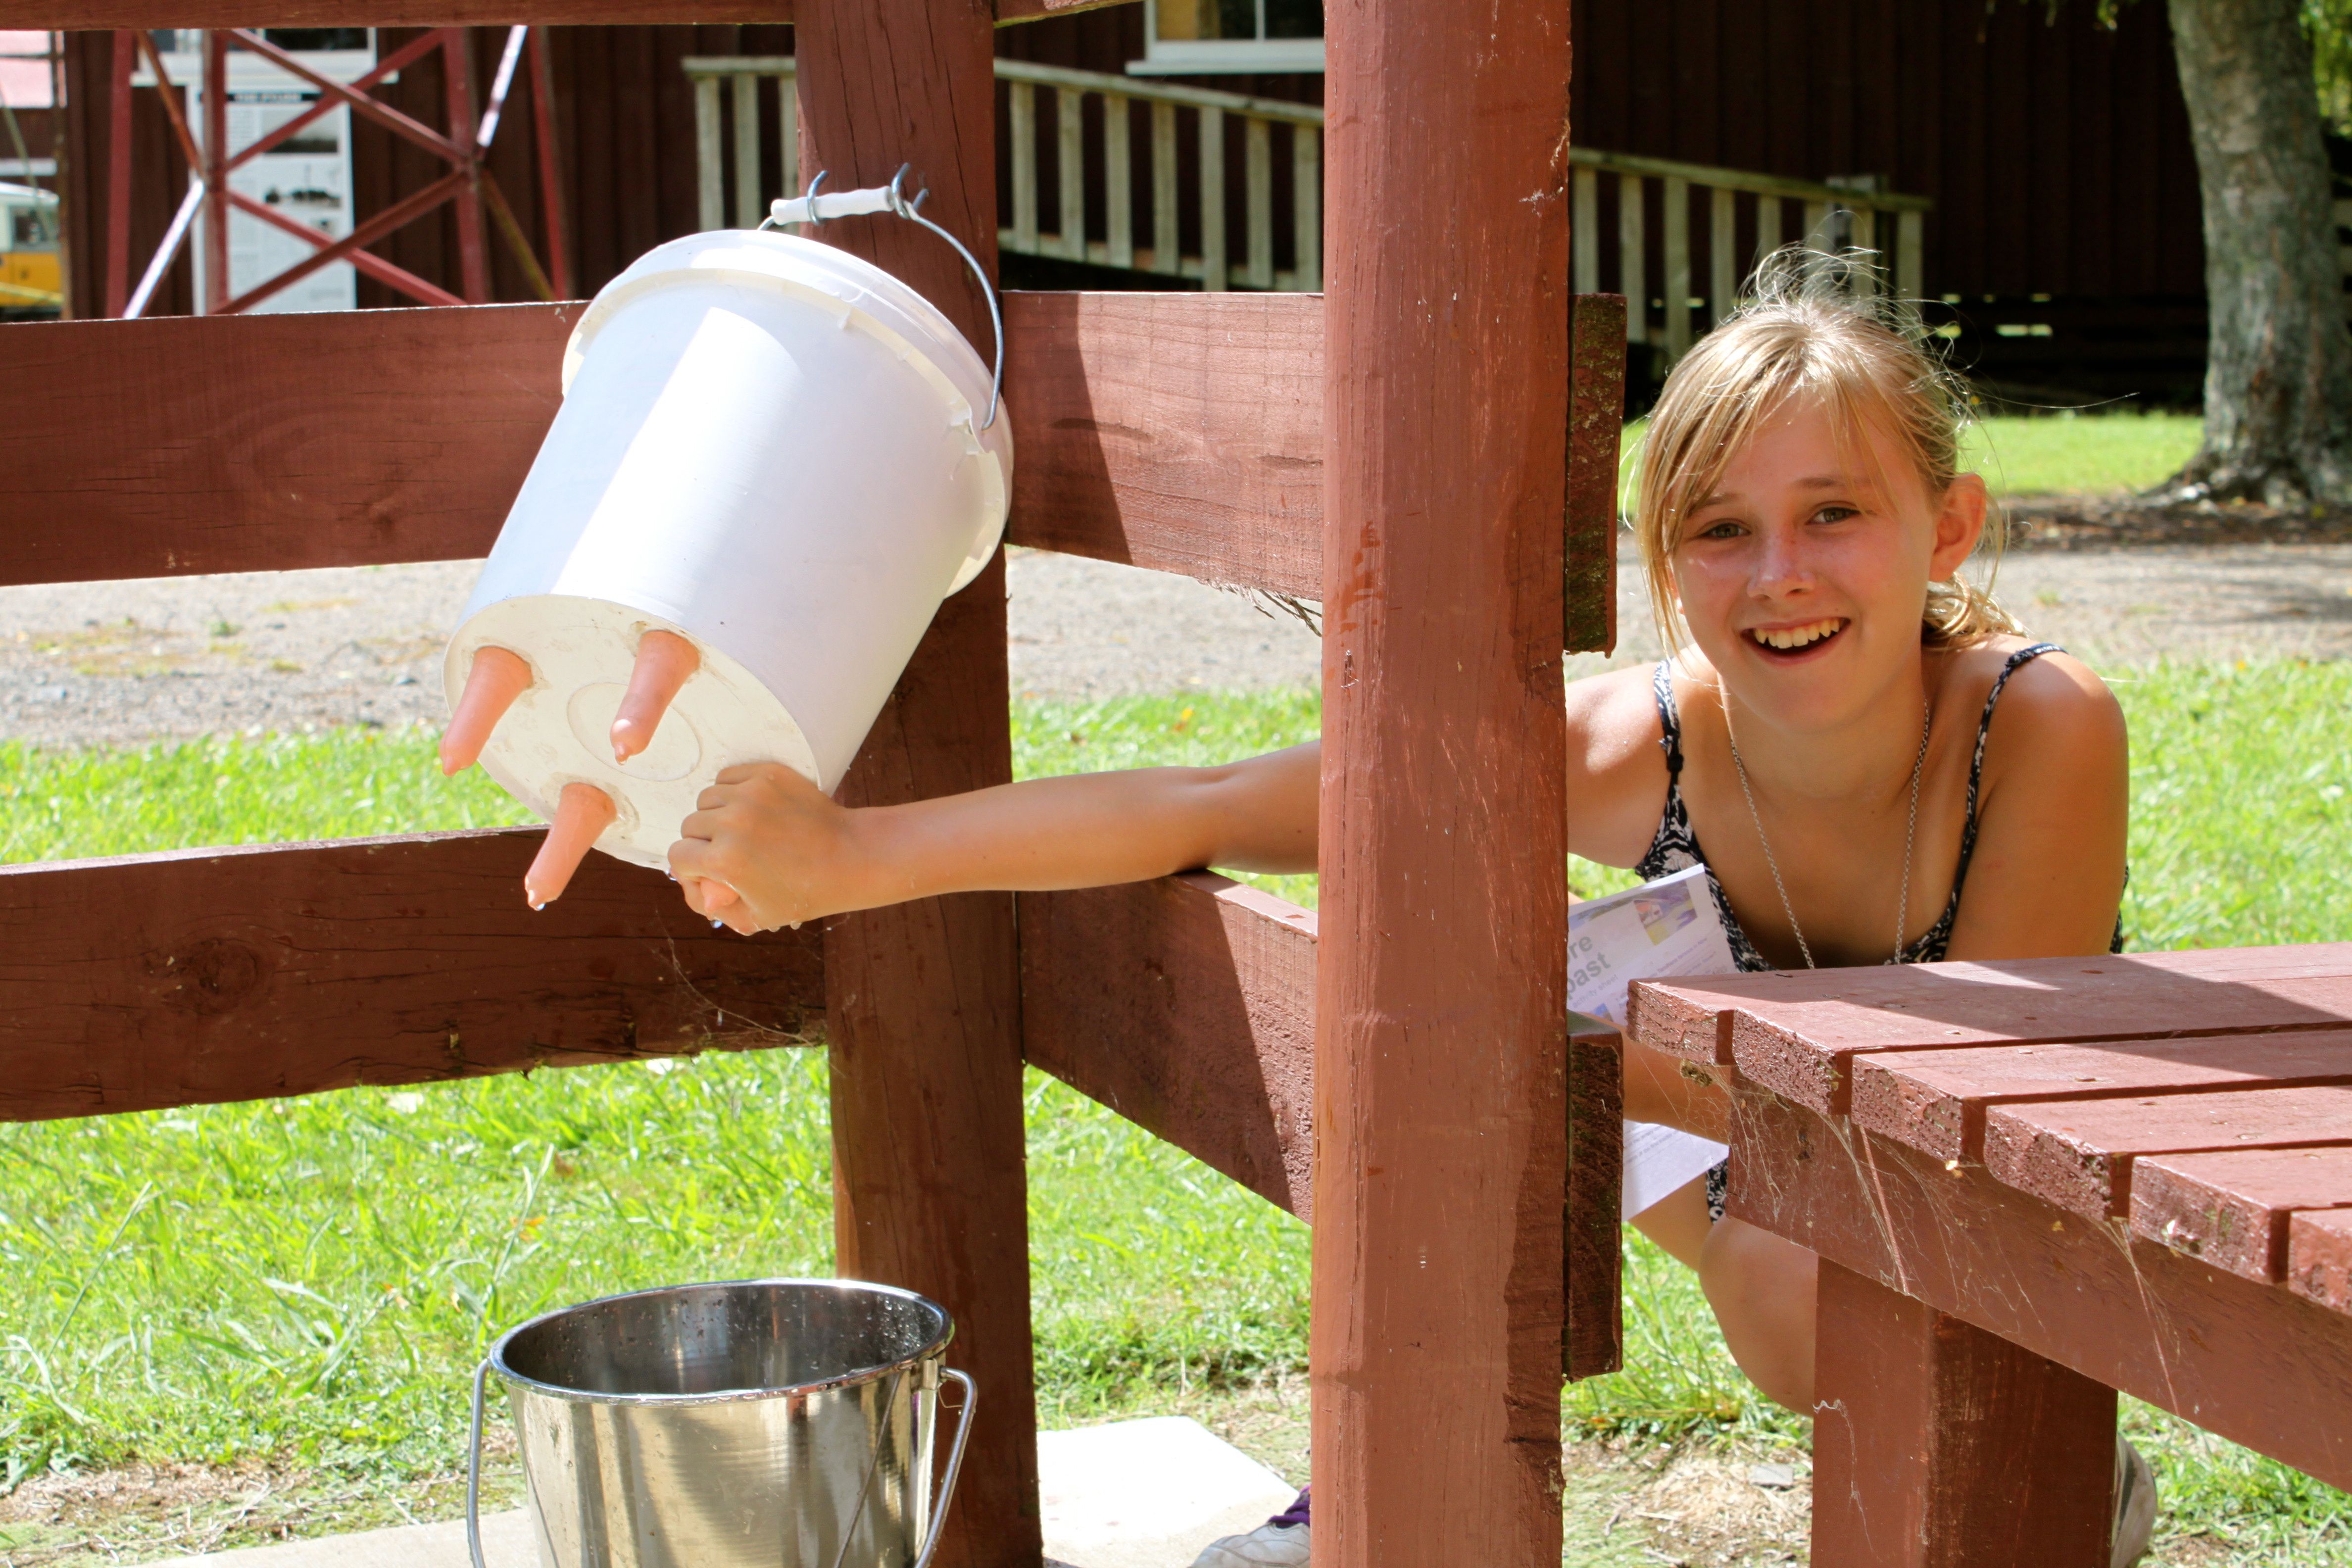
1803,575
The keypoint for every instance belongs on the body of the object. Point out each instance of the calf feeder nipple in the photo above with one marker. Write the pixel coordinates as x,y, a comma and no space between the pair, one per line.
582,815
496,679
772,461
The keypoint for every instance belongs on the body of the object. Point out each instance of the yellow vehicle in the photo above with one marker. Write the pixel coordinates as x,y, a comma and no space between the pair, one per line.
30,283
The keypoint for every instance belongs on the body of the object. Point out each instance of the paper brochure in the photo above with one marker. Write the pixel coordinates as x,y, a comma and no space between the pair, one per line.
1663,928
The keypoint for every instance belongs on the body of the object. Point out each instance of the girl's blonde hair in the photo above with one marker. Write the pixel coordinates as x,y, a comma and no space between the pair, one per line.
1823,328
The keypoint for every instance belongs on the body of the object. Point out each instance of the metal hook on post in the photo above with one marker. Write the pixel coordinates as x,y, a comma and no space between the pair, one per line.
814,210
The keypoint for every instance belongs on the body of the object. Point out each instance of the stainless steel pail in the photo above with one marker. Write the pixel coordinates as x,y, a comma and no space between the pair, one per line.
757,1423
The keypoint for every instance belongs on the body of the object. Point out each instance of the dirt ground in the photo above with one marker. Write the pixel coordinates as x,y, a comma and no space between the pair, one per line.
125,663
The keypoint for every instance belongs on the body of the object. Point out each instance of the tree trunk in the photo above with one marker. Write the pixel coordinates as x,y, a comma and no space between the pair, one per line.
2278,376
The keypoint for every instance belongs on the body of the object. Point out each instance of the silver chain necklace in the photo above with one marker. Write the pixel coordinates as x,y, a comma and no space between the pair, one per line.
1910,830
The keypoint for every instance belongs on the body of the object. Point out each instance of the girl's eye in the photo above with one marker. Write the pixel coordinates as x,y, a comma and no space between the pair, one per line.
1835,512
1722,528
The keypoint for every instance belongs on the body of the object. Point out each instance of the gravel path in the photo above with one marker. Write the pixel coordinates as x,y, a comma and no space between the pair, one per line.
120,663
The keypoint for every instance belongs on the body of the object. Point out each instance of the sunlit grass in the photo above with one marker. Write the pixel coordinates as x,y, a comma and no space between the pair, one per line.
310,1278
2057,453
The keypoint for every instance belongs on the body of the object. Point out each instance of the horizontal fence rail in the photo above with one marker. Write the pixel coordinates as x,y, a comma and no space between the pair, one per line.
74,15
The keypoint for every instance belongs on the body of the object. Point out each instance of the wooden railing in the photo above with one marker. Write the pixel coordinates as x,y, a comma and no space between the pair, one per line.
1687,234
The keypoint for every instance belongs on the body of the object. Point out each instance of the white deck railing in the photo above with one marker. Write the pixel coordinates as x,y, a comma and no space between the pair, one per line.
1682,289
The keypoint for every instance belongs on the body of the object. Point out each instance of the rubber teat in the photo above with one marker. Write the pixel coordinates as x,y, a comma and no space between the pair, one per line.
665,662
581,818
498,678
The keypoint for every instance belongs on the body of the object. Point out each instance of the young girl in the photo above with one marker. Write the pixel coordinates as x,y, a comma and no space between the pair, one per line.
1857,741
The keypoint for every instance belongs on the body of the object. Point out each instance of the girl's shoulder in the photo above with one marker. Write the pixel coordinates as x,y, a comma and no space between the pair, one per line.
1616,769
2052,706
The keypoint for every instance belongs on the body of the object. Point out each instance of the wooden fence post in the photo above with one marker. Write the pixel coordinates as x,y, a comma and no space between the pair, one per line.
1936,1444
923,999
1441,1047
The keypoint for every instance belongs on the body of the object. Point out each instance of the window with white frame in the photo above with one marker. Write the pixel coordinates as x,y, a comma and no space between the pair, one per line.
1197,37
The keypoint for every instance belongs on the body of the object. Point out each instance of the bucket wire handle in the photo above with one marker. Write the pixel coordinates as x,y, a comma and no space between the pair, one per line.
955,1463
474,1472
809,209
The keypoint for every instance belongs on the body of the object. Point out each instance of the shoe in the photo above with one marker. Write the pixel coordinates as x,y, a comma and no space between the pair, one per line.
2135,1506
1268,1546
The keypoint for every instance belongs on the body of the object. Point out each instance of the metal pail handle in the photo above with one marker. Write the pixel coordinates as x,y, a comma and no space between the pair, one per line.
939,1508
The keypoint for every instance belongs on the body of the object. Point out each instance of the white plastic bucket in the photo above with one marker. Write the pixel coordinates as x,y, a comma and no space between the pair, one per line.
772,448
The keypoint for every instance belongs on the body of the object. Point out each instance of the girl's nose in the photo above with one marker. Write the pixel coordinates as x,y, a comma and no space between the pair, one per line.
1781,564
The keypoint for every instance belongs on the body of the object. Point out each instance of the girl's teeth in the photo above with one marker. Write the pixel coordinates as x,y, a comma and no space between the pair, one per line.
1797,637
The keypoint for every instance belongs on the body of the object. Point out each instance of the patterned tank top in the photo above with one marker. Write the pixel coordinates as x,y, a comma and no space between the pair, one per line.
1676,847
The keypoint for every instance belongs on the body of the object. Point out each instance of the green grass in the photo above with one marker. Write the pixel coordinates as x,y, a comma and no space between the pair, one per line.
2054,454
2064,453
307,1281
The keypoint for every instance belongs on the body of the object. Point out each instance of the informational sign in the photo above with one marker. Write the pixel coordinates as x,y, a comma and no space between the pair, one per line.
306,178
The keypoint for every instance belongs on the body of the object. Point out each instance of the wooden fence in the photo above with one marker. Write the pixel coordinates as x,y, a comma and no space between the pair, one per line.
1126,166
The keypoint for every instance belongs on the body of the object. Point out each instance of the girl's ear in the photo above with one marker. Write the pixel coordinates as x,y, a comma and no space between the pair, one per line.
1959,524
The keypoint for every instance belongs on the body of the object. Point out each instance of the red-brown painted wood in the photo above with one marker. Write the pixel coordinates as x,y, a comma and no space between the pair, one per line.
2232,1209
1936,1444
1936,1100
257,443
2255,1363
1596,422
2078,1155
221,974
260,443
1160,431
1187,1005
924,1014
1593,1338
94,14
1441,1043
1793,1031
2319,1259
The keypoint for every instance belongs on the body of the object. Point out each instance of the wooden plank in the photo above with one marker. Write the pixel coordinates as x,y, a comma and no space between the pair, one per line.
1187,1005
2232,1209
2078,1155
1213,200
78,14
1167,245
75,15
788,130
1793,1030
709,168
1910,250
1768,228
1438,1260
1633,259
751,194
1118,180
2255,1363
1936,1100
924,998
207,975
1023,115
2319,1259
1676,200
1722,273
232,444
1070,137
1936,1444
1596,414
1592,1335
1257,201
195,445
1585,232
1179,431
1306,205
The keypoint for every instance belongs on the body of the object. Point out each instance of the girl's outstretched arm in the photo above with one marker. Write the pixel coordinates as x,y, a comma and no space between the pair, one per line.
793,854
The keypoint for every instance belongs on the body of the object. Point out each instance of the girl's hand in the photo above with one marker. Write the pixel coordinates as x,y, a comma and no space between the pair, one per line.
783,845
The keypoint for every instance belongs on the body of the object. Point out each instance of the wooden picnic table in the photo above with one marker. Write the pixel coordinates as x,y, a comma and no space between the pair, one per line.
2031,1185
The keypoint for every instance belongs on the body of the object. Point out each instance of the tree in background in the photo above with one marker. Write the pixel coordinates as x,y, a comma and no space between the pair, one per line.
2278,376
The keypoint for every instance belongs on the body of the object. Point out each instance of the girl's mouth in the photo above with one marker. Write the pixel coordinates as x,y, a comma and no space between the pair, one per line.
1794,642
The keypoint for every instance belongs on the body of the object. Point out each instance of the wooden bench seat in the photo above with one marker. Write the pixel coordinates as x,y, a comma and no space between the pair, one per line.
2032,1184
